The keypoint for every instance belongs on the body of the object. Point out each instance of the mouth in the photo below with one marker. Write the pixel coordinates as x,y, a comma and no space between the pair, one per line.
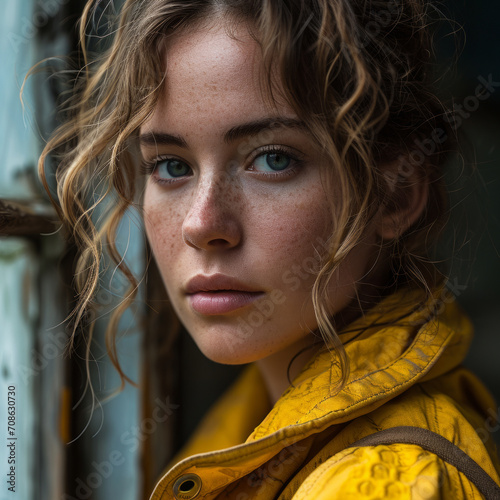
221,301
219,294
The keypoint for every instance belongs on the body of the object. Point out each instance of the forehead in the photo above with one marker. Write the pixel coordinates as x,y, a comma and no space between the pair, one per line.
211,74
211,51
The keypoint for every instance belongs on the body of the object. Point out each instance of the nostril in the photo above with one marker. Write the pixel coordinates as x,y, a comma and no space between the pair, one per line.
218,242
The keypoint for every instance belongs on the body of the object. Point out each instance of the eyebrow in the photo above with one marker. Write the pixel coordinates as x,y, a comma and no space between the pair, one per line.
239,131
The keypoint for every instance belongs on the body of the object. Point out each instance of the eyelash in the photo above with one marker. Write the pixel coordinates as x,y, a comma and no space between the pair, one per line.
296,161
149,167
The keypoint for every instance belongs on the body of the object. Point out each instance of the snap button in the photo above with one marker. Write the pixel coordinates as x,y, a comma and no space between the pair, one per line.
187,487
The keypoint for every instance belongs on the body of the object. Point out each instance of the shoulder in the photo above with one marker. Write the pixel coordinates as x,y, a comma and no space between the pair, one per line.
401,471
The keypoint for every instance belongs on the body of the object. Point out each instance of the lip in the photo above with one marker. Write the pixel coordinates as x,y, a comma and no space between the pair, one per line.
219,294
217,282
212,303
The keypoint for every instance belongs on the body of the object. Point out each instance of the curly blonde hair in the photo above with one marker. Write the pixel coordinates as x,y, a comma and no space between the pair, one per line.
357,73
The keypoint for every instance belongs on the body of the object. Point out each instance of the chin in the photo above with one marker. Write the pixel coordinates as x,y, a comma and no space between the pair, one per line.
227,356
228,350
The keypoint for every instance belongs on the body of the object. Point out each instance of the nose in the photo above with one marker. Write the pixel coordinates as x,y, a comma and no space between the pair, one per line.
213,220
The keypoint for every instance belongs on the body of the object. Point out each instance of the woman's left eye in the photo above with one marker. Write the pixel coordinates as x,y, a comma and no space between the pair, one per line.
274,161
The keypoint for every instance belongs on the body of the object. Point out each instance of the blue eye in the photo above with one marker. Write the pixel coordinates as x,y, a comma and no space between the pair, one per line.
171,168
275,161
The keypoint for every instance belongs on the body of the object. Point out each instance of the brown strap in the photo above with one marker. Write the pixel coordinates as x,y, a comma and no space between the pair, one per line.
441,447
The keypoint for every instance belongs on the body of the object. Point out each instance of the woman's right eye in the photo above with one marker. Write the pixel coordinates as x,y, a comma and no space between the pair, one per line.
166,169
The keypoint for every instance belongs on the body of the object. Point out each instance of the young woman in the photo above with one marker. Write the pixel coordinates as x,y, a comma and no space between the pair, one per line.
293,155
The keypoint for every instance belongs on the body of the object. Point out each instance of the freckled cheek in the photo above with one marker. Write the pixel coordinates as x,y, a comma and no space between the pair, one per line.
163,224
292,230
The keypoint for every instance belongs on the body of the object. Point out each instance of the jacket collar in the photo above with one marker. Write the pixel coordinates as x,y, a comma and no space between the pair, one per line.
395,345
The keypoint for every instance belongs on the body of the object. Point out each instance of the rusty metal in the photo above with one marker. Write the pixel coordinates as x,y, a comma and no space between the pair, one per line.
19,218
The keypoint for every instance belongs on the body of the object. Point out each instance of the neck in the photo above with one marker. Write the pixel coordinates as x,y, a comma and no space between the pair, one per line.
279,369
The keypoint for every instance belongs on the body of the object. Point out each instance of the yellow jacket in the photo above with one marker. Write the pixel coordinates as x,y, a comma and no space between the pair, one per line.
406,373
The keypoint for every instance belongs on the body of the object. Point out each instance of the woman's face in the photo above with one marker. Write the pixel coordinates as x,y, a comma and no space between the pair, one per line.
235,210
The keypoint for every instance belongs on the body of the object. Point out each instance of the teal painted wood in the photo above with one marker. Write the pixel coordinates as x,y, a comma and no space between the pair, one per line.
29,281
18,142
31,329
35,336
111,445
18,316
